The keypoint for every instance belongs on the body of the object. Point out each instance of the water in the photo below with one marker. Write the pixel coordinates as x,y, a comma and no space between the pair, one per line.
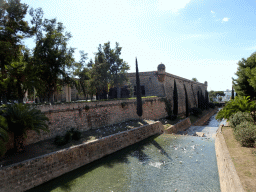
159,163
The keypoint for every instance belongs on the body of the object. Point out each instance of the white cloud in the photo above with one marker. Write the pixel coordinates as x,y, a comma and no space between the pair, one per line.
212,12
225,19
174,6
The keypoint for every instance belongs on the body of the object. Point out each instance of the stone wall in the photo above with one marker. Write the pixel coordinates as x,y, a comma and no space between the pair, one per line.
180,126
205,118
28,174
64,116
229,180
153,87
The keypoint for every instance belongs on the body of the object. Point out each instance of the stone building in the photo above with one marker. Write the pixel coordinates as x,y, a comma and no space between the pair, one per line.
160,83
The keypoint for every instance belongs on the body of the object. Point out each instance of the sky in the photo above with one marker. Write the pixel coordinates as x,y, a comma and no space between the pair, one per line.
204,39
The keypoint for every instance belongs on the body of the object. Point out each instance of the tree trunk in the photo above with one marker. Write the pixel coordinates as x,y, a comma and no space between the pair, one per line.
19,142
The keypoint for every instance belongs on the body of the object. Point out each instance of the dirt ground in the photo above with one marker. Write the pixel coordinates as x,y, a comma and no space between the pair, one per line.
243,158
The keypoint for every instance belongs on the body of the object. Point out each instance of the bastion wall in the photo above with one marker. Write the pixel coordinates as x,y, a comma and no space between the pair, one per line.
63,117
33,172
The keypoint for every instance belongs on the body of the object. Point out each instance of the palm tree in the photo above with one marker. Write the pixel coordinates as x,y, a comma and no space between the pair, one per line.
4,137
21,118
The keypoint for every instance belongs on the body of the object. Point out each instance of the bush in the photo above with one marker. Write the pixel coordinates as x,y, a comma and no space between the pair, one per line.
59,141
245,133
195,111
68,136
238,118
240,103
76,135
211,105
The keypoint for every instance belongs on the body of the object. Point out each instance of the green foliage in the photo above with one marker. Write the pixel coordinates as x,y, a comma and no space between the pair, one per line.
72,134
195,111
238,118
86,107
194,79
240,103
245,84
245,133
186,102
21,118
139,100
168,108
175,99
4,137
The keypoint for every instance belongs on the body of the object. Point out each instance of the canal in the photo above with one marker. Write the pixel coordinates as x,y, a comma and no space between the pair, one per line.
159,163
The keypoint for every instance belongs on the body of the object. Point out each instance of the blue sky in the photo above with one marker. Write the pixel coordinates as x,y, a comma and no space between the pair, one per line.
193,38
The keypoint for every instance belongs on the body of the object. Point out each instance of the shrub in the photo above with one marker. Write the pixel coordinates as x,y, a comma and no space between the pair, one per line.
211,105
59,141
233,106
239,117
76,135
195,111
68,136
86,107
245,133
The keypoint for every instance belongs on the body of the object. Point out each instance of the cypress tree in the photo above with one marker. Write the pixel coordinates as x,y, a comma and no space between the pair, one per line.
232,93
175,99
206,99
198,100
138,91
186,101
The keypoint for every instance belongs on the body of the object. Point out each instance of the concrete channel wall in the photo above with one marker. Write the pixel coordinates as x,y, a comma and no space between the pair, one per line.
229,180
30,173
186,123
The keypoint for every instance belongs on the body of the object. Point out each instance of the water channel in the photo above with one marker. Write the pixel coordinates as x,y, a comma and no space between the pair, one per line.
159,163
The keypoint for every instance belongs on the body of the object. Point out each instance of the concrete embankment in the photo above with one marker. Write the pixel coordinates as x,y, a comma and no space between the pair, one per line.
28,174
229,180
186,123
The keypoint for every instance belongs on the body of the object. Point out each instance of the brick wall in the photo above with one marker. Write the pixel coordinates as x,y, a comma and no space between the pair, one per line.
28,174
64,116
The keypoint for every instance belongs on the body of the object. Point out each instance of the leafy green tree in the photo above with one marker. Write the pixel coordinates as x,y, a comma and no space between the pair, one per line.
21,118
83,74
175,99
206,99
239,103
245,84
108,70
194,79
4,137
139,100
53,58
13,29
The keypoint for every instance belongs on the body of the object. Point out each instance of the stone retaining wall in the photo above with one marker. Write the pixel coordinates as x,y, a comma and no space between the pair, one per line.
205,118
62,117
180,126
229,180
28,174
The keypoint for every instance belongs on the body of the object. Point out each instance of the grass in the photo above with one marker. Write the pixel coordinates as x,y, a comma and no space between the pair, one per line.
243,158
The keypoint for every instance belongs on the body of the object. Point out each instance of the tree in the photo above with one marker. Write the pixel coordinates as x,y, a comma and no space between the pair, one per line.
206,99
194,79
108,70
232,93
21,118
245,84
139,101
53,58
4,137
186,101
175,99
13,29
83,74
